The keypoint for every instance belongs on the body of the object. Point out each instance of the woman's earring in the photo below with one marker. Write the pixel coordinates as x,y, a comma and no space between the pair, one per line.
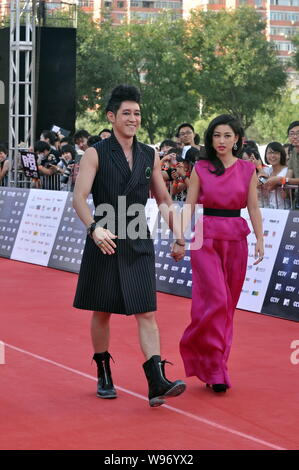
235,147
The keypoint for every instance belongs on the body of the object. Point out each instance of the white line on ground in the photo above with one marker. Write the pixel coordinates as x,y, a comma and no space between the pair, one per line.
171,408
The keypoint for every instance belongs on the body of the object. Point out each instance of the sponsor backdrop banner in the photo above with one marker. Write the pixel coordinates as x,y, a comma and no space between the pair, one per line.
258,277
282,296
172,277
12,205
38,226
70,239
41,227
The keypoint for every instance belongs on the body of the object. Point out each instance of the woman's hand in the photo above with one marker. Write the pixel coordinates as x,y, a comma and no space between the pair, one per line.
259,251
272,182
177,251
254,160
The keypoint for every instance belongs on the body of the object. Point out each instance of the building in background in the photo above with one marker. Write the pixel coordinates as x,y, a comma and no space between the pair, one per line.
120,11
282,16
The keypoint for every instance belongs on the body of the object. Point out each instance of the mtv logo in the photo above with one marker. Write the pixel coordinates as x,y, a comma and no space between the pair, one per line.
285,260
286,302
293,234
278,287
294,275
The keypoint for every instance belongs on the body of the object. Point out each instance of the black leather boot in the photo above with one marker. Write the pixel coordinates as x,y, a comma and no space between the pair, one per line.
159,386
218,388
105,383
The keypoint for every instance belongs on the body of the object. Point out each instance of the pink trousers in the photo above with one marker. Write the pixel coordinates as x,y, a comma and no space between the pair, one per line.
218,272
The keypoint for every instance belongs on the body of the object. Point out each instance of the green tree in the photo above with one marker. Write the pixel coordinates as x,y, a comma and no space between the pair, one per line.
238,71
152,58
149,56
271,124
95,68
296,55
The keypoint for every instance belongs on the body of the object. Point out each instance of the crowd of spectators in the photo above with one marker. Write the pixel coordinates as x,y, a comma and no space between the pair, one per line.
278,173
58,159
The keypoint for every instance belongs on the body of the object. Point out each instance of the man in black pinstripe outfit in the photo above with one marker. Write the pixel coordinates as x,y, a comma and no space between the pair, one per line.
117,273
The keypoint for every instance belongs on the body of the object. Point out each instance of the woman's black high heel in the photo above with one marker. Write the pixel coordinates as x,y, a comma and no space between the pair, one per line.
218,388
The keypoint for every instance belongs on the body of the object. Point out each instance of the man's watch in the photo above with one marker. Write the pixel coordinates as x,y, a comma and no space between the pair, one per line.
90,229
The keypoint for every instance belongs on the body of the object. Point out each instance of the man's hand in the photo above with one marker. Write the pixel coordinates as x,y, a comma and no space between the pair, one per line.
103,238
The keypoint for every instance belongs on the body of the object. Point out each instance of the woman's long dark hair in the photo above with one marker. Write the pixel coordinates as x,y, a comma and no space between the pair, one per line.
277,147
236,127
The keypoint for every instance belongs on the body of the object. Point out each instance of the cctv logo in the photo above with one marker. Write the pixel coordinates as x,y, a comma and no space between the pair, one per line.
290,289
274,300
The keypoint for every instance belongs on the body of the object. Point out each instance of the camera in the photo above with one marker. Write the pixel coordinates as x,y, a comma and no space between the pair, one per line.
262,179
67,172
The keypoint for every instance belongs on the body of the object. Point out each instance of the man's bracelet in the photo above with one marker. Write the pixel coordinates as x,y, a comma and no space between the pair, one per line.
90,229
180,244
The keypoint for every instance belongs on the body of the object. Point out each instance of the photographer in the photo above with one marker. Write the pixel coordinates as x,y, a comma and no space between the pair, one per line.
176,173
46,164
168,164
66,168
166,145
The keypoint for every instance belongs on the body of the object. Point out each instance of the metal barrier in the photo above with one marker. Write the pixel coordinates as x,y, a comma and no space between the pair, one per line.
282,197
45,182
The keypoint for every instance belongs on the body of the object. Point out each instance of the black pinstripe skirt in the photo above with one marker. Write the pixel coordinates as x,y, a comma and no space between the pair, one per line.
122,283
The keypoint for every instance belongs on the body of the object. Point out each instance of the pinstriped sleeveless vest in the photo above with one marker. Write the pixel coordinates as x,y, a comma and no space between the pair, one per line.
124,282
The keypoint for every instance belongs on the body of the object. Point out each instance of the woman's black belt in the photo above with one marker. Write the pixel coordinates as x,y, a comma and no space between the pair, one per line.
222,212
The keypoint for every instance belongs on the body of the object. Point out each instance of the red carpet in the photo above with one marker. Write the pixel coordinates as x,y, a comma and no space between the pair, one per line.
52,405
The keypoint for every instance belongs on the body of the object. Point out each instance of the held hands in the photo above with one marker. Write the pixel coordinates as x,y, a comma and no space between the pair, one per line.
259,252
103,238
178,251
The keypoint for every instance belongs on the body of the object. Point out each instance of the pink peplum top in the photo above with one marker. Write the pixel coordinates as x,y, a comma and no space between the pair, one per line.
227,191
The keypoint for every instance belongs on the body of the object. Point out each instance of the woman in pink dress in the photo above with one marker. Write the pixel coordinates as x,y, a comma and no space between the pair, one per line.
223,184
